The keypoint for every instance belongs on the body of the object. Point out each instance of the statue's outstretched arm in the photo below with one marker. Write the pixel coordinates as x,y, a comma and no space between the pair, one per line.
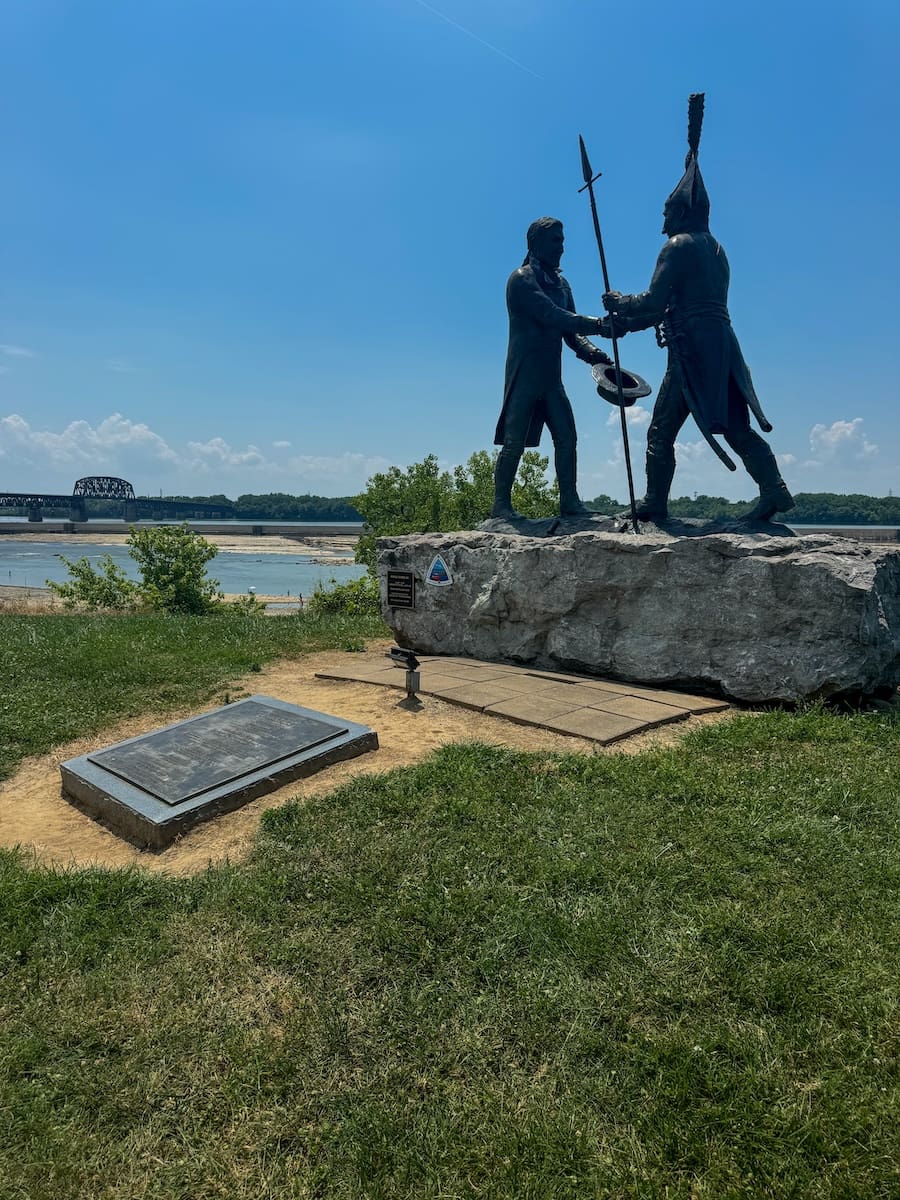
644,309
523,294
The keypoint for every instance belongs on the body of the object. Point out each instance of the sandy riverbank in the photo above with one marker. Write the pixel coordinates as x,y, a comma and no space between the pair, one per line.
36,600
338,550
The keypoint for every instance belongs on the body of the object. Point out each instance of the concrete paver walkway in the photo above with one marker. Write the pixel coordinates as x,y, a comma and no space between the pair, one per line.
599,709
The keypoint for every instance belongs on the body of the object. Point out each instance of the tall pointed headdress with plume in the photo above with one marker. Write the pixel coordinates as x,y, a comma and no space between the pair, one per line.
690,192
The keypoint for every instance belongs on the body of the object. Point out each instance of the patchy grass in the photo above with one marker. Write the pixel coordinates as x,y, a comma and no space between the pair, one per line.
495,974
64,676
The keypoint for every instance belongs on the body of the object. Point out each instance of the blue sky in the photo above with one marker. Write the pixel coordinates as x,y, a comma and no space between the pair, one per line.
252,247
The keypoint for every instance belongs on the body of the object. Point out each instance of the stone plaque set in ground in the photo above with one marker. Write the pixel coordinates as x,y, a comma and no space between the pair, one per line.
151,789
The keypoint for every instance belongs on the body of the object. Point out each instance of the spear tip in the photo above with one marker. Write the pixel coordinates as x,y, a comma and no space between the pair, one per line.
585,161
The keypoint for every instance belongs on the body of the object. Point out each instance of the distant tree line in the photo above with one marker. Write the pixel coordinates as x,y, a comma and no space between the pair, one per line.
465,495
273,506
832,508
819,508
280,506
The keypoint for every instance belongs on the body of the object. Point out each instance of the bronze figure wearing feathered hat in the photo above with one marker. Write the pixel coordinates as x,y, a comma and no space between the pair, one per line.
706,376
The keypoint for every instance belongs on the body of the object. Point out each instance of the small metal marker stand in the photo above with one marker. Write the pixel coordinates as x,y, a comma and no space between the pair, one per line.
408,660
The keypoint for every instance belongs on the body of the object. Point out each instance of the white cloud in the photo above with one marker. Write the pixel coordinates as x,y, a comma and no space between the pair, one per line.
16,351
217,453
841,440
280,445
80,443
634,416
843,459
691,452
53,459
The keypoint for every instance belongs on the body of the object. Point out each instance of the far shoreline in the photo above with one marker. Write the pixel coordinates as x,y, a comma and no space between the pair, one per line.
334,549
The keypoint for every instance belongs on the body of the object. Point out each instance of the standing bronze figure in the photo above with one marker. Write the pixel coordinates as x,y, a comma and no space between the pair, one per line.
706,375
541,317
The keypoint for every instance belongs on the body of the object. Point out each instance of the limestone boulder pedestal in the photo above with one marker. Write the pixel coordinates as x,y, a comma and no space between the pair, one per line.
746,615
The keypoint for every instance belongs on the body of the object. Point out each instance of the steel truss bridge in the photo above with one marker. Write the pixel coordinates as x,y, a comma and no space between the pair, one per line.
107,487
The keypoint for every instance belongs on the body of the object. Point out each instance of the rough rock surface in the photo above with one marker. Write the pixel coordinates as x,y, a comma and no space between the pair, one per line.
621,523
745,614
554,526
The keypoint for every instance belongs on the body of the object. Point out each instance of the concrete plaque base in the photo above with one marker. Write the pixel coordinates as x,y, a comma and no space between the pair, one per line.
151,789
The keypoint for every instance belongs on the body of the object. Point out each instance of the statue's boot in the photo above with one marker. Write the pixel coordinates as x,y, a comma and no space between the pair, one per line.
566,467
773,493
504,478
654,504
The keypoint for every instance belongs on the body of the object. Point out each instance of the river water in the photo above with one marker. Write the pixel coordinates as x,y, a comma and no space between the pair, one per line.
32,564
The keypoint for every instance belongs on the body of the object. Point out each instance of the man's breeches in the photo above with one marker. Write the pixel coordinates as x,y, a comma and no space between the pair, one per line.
558,417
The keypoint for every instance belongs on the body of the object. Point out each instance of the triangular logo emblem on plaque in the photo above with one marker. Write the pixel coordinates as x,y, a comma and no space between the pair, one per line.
439,573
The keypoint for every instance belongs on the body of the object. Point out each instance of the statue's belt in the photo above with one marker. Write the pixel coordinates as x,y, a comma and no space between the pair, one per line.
708,310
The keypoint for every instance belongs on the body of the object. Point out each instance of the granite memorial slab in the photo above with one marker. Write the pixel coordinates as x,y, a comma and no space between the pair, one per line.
151,789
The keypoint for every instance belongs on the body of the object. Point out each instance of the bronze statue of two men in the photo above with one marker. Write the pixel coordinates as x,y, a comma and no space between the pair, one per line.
706,376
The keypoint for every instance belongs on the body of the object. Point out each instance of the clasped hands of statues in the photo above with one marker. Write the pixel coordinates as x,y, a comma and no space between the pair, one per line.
608,327
613,325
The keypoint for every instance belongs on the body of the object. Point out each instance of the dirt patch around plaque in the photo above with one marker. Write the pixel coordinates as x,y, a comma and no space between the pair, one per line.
35,816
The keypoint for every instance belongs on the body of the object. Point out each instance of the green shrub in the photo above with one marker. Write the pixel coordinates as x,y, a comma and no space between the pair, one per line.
109,587
242,606
357,598
172,562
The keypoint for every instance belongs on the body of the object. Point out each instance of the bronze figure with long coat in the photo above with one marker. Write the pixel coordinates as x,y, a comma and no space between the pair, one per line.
541,317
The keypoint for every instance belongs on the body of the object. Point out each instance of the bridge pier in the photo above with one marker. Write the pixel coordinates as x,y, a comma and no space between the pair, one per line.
77,509
131,511
35,513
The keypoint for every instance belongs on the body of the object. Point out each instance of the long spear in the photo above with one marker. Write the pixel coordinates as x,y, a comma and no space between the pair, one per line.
589,180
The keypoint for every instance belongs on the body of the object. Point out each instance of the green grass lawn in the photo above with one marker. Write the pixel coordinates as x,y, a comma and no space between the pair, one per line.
64,676
492,975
